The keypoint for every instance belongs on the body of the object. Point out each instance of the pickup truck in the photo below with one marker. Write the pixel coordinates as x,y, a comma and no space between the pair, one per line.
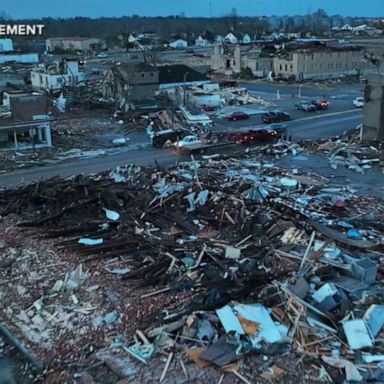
190,142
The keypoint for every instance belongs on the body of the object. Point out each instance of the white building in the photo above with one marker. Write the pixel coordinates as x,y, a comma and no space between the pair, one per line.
132,38
6,45
201,42
179,43
56,76
245,39
219,39
231,38
240,38
27,58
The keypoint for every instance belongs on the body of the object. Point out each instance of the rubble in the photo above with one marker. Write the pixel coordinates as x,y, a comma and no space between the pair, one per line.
221,267
348,151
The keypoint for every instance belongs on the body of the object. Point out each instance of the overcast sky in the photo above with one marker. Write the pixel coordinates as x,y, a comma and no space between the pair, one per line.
96,8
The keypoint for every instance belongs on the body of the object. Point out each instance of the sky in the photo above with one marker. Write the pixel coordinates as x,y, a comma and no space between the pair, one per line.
96,8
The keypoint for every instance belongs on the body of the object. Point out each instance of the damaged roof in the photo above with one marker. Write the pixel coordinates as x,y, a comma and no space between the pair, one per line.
179,73
23,108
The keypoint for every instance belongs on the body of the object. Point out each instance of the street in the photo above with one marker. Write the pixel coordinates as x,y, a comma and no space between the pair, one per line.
338,118
307,128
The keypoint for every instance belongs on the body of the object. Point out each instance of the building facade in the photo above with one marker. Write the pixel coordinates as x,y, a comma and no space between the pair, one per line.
56,76
230,61
179,44
72,44
321,63
27,125
24,58
126,83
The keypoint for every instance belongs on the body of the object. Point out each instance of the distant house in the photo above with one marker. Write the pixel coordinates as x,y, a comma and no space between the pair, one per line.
56,76
26,124
128,84
230,38
201,42
245,39
6,45
72,44
237,38
148,35
132,38
179,44
359,30
219,39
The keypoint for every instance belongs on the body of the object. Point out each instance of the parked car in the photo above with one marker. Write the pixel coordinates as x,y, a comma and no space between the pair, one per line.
305,106
280,128
237,116
275,117
257,135
358,102
102,55
320,103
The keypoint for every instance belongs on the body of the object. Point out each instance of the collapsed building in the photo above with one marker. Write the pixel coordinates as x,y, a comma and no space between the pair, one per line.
220,270
25,122
232,60
56,76
134,85
129,83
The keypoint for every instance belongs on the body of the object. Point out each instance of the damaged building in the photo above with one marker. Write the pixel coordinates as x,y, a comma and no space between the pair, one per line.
128,84
72,44
54,77
318,61
134,85
301,60
231,60
25,122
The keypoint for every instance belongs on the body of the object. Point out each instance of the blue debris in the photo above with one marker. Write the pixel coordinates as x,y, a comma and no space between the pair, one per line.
353,234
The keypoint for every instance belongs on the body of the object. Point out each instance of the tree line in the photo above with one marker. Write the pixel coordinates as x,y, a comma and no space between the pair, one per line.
110,28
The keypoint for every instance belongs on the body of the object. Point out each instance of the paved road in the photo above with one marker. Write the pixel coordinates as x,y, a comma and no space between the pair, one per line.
307,90
311,127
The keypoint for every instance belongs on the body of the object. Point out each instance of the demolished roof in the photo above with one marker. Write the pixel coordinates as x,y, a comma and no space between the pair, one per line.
179,73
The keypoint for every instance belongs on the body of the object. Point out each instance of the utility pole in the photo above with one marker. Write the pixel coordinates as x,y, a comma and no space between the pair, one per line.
185,79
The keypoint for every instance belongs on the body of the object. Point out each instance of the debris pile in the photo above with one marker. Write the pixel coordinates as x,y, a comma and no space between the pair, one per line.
347,151
165,274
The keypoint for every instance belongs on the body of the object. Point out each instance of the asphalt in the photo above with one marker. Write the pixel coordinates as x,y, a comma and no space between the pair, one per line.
309,127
